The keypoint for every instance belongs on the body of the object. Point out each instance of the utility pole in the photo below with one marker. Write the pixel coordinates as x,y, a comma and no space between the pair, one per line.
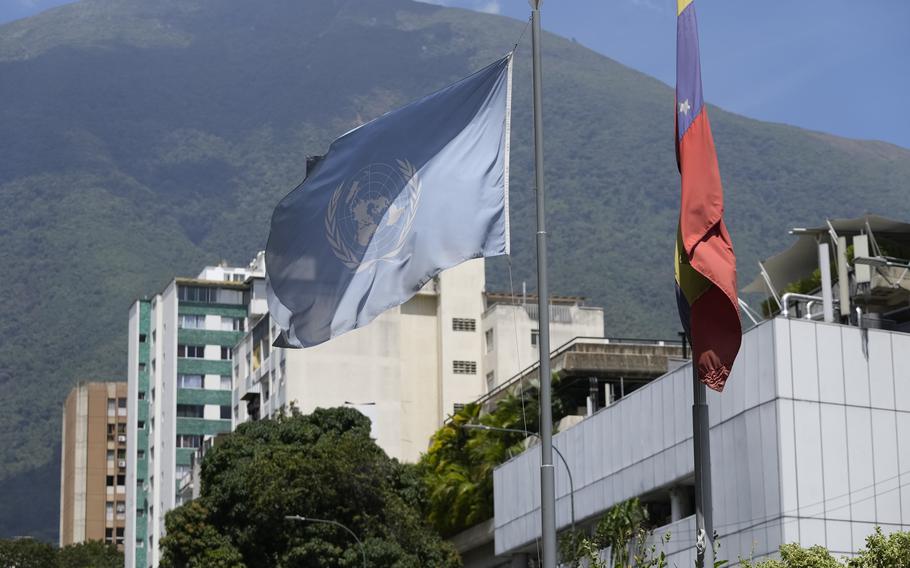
547,477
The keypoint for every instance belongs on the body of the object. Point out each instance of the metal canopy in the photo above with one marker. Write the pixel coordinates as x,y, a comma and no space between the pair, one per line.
801,259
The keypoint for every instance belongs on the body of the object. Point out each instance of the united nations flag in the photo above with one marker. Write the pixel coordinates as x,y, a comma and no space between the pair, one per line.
390,205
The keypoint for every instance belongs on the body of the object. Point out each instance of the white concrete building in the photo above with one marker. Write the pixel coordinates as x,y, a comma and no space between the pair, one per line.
511,331
810,443
179,391
410,368
406,370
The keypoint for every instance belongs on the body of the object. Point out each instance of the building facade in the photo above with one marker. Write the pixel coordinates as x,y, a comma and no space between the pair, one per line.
511,330
406,371
810,443
412,367
179,377
93,464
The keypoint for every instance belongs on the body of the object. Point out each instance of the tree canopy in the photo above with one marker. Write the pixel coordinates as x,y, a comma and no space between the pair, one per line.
30,553
321,466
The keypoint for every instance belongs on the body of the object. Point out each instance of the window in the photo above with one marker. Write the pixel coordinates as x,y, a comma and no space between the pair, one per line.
121,480
488,339
190,410
464,324
225,382
265,390
109,481
231,324
143,338
535,337
197,294
141,395
120,507
189,381
189,441
225,412
121,403
110,455
464,367
141,367
191,351
186,321
491,381
140,454
140,424
226,353
111,407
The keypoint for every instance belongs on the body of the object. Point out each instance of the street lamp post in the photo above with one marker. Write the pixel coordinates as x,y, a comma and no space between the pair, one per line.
331,522
536,435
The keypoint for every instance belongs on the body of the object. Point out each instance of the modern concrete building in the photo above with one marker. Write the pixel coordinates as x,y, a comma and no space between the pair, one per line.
406,371
93,464
810,443
179,376
511,330
410,368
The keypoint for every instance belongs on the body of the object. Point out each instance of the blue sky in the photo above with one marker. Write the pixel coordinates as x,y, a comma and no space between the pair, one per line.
832,65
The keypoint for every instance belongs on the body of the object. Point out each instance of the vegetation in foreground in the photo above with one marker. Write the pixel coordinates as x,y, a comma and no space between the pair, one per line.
322,466
30,553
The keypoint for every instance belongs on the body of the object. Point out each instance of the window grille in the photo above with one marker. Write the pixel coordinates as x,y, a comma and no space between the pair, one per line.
464,324
464,367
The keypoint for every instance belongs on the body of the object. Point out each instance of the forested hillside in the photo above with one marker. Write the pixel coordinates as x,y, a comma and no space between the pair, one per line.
141,140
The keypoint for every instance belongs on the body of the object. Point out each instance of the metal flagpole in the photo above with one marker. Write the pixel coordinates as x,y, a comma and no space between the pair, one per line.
547,480
704,518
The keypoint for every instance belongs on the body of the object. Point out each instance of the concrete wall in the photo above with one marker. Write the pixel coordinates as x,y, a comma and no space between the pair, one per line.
511,326
810,443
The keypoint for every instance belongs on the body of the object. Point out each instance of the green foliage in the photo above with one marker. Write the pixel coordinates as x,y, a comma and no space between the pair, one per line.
323,466
91,554
892,551
458,467
29,553
142,140
622,529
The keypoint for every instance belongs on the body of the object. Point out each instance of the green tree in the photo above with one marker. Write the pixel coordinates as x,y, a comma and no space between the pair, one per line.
91,554
27,553
892,551
323,465
458,468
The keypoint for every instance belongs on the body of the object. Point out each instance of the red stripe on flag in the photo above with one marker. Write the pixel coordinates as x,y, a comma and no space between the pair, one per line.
714,317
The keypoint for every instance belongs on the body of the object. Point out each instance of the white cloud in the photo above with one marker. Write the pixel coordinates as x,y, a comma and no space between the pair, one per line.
490,7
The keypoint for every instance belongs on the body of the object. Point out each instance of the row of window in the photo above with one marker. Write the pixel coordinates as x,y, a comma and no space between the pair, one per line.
185,381
196,321
198,411
198,352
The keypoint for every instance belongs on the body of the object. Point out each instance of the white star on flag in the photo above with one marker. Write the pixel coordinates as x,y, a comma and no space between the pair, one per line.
684,107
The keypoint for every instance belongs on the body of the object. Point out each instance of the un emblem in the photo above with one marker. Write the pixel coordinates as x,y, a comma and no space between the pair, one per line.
370,215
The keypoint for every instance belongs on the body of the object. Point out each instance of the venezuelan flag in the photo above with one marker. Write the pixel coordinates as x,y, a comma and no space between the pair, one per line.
705,262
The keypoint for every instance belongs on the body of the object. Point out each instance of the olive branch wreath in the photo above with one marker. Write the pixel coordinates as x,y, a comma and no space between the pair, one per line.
333,233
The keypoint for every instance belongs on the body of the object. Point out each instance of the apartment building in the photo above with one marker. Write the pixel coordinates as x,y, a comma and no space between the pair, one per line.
93,464
179,391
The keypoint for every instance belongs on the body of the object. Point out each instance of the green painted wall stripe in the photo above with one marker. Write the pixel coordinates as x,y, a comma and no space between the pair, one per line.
229,310
203,367
208,337
201,396
202,426
185,456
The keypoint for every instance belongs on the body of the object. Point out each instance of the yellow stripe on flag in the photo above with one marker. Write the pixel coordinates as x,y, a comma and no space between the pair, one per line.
691,282
681,5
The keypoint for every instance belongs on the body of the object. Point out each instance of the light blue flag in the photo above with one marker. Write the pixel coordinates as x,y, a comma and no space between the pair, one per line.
390,205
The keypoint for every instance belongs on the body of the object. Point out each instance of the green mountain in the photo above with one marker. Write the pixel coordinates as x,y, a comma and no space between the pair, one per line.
145,139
